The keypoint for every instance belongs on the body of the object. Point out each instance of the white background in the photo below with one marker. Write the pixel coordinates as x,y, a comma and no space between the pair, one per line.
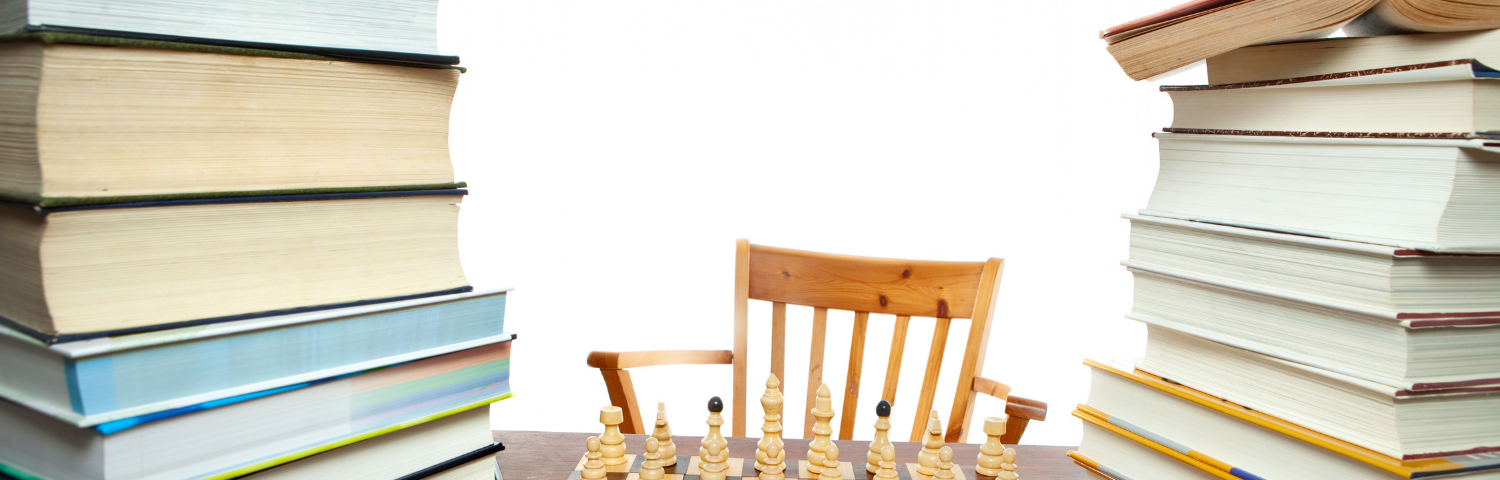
616,149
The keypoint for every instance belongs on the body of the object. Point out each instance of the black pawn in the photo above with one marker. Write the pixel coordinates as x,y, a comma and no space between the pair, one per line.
883,409
715,405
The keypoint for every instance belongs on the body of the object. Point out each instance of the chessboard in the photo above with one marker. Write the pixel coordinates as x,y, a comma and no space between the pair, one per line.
740,469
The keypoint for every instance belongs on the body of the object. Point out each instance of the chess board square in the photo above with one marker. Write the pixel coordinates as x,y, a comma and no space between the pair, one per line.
846,468
911,469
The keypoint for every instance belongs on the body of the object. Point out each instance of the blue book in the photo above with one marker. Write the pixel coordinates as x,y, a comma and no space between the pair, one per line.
95,381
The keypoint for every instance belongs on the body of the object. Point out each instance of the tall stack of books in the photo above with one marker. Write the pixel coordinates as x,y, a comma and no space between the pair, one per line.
1319,271
228,246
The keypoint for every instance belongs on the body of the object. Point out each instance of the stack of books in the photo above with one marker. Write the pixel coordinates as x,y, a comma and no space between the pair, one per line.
228,246
1318,269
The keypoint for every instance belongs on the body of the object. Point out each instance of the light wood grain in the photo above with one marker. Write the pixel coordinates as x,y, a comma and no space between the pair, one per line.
851,379
741,334
778,341
864,284
893,363
622,394
815,365
991,388
651,358
930,377
974,352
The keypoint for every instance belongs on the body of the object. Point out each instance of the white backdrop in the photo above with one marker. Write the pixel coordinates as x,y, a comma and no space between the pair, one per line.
616,149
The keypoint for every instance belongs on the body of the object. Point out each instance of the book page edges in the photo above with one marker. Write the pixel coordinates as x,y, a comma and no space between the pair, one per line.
1159,448
1448,248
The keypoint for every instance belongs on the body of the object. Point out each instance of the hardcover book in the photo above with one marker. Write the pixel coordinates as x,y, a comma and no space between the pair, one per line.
88,124
1333,55
89,382
106,270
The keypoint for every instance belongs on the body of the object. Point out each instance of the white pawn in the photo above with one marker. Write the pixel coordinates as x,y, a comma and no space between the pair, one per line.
887,463
663,435
945,463
989,460
882,436
776,469
1008,468
612,442
831,470
593,468
651,468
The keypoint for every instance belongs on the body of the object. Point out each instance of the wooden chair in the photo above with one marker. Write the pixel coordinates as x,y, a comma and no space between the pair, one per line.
864,285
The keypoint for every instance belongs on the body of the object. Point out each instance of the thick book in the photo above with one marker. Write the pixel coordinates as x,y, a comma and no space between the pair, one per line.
391,30
1400,420
234,437
89,382
1436,195
1375,345
1172,39
1203,430
457,447
89,124
1333,55
1406,284
72,273
1447,99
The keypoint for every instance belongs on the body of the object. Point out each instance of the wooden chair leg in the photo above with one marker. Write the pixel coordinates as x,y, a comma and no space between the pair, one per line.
1013,430
622,394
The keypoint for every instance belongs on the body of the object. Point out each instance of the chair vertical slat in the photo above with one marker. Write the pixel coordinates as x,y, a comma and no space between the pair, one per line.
851,380
929,380
815,366
893,365
978,343
741,334
778,341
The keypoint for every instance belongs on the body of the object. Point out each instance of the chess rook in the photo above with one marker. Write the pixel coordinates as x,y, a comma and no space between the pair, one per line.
882,436
822,430
989,460
663,435
612,442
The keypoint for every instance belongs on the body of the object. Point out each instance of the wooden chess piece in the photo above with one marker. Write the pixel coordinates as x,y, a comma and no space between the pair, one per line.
612,442
882,436
651,468
887,463
663,436
776,467
989,453
713,455
927,460
945,463
771,402
593,468
822,430
831,470
1008,467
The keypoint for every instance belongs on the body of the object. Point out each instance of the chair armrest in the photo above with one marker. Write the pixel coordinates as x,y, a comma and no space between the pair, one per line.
1026,408
651,358
991,388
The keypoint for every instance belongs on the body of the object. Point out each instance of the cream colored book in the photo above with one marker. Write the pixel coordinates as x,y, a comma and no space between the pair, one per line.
82,272
1333,55
88,124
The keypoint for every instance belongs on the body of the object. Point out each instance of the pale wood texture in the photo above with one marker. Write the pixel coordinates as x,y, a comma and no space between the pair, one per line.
864,284
741,333
930,378
904,288
974,353
851,380
893,363
553,455
815,364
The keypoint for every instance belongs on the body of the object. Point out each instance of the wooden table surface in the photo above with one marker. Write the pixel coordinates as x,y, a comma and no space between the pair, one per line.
552,455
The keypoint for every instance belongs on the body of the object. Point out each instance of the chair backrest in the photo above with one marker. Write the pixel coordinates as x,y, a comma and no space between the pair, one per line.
865,285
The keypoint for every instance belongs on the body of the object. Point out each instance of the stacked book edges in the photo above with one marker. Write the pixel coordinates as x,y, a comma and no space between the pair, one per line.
230,399
1156,428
